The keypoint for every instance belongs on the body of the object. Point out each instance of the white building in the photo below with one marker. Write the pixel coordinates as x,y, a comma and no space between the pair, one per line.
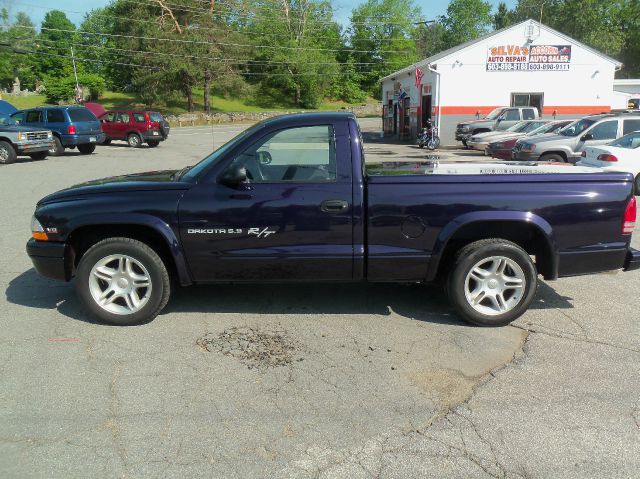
627,93
528,64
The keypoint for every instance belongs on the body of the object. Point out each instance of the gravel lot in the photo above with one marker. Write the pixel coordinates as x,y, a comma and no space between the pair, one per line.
306,381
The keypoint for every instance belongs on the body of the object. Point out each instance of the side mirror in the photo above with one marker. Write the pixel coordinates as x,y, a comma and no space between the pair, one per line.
234,176
586,137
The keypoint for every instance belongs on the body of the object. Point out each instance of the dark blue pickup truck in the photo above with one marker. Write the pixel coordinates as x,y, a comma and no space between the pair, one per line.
290,199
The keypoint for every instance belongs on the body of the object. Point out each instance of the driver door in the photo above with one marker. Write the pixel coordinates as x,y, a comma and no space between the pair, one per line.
291,220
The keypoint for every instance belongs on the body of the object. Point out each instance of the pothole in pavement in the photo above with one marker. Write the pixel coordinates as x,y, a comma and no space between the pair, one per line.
255,348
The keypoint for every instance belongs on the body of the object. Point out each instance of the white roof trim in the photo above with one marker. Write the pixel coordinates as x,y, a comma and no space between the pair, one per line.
448,53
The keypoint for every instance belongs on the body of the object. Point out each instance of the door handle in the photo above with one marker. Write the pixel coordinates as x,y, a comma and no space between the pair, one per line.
334,206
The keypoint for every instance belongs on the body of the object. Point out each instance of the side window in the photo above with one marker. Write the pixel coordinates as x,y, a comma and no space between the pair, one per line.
528,114
33,116
304,154
138,117
123,117
55,116
629,126
607,130
111,117
512,115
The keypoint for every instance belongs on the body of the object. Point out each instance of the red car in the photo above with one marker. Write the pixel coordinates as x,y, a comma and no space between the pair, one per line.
502,149
133,126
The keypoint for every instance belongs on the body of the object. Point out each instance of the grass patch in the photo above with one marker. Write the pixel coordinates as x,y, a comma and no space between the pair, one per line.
22,102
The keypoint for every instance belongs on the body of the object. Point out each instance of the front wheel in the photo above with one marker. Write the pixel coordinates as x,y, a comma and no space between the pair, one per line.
57,149
7,153
553,157
122,281
87,149
134,140
492,282
433,143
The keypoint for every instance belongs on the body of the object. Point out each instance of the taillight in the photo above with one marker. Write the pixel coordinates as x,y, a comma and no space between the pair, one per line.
629,222
607,157
71,130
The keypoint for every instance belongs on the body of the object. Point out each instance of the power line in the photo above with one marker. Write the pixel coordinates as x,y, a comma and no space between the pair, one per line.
203,42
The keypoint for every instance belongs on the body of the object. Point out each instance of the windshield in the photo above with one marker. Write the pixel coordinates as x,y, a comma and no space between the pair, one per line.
630,141
7,121
213,158
520,126
574,129
533,126
494,114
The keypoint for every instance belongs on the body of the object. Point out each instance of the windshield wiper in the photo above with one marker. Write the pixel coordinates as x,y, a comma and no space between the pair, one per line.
178,174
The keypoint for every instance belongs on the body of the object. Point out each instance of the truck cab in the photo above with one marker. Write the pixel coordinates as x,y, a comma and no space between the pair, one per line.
499,119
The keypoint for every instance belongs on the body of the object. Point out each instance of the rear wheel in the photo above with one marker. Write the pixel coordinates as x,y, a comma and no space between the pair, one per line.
153,143
134,140
87,149
492,282
41,155
7,153
106,142
553,157
123,281
57,149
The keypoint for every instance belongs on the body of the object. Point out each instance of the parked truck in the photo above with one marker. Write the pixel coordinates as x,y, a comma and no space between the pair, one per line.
16,140
499,119
291,199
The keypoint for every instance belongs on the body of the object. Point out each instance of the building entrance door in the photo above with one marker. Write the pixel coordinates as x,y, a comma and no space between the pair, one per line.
426,110
528,99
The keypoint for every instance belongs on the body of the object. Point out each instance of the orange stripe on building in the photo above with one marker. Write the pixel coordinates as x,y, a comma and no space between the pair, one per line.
548,110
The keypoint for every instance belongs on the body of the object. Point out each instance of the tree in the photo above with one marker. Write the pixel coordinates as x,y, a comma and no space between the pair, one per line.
503,17
382,36
466,20
54,44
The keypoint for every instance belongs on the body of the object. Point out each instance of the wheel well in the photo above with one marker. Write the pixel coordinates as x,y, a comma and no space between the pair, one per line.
2,138
560,153
527,236
85,237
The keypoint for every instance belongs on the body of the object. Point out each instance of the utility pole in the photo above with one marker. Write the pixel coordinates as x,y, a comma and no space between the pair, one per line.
75,73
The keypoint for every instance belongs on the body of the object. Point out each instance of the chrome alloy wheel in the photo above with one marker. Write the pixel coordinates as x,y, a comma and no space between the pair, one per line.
494,285
120,284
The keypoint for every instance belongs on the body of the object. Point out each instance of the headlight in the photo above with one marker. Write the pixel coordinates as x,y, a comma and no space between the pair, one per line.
497,145
466,129
528,147
37,231
49,135
21,136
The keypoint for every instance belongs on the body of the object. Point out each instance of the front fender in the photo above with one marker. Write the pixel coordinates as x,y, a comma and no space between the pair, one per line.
138,219
456,224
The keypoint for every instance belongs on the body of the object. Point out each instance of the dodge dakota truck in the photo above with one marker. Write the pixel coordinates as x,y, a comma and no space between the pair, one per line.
291,199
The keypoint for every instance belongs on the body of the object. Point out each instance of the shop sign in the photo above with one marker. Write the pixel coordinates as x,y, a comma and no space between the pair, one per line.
533,58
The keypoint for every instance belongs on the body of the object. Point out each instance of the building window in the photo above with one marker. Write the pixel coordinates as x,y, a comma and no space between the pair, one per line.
535,100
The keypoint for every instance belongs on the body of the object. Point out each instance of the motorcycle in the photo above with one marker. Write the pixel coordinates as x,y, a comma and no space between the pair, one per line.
429,137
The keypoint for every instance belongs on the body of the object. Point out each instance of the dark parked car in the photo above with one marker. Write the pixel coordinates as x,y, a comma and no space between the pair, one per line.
291,199
133,126
502,148
72,127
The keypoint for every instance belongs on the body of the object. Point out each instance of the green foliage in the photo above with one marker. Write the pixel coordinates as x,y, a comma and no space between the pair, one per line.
503,17
466,20
61,89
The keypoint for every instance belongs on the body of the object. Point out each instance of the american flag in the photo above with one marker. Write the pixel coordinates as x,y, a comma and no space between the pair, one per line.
419,75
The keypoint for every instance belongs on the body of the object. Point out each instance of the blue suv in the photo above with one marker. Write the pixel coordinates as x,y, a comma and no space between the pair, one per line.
72,126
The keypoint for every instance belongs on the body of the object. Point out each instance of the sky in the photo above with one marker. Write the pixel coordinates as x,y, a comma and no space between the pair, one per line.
36,9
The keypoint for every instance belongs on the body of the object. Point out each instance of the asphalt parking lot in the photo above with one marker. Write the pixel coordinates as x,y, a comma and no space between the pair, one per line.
306,381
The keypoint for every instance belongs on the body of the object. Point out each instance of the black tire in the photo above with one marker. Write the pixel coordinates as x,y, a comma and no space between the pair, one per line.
553,157
471,256
420,145
134,140
153,143
637,182
106,142
464,143
87,148
41,155
159,278
7,153
57,149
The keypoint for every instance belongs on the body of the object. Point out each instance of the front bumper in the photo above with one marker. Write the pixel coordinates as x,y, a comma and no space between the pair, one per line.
632,260
75,140
28,147
50,259
525,155
461,136
477,145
